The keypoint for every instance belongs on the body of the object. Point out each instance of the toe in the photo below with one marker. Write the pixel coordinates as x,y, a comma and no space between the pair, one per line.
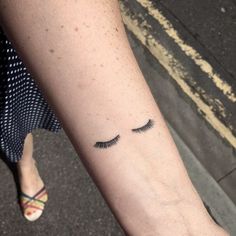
32,216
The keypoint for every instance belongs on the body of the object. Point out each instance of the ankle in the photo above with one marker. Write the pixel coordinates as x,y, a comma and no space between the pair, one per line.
26,162
26,168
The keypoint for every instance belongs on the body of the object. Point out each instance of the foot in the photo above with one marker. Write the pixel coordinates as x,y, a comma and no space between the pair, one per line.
29,178
30,183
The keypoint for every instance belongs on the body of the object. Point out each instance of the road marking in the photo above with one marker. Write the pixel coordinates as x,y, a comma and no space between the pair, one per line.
174,68
189,51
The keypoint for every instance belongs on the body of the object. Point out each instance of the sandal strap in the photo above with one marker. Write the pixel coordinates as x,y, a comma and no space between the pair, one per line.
41,190
33,206
34,197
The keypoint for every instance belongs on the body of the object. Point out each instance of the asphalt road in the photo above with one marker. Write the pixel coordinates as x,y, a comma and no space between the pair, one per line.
213,24
75,206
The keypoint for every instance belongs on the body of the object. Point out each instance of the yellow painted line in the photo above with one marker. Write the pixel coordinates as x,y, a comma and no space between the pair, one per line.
189,51
174,68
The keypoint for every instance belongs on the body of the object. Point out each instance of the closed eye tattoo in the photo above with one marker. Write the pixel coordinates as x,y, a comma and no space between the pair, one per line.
114,141
147,126
107,143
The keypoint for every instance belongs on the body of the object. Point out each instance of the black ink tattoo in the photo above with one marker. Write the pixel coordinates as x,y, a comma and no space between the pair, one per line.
107,143
114,141
145,127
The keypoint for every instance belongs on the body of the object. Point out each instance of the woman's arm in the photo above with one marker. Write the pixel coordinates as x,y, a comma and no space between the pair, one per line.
78,53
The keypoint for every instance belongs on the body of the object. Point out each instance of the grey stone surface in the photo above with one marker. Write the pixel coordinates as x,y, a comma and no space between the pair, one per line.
75,206
228,181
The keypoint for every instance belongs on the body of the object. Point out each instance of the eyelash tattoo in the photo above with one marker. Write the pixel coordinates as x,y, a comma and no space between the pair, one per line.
145,127
108,143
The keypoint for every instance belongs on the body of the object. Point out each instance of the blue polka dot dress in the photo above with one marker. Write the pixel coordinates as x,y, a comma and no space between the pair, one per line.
22,106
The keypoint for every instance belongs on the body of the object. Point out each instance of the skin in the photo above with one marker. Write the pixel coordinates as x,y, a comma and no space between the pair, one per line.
114,141
79,54
29,178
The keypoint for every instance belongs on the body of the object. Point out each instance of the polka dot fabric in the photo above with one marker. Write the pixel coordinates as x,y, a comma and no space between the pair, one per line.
22,106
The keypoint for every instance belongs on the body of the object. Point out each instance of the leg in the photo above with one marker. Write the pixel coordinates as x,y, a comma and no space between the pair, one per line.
29,178
89,75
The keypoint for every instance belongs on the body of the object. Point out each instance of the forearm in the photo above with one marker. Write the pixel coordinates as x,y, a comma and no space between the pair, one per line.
79,55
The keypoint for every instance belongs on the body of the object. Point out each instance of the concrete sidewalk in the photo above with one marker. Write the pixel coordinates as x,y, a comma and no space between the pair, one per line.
75,206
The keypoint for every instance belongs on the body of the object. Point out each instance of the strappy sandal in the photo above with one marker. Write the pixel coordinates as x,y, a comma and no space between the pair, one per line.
33,207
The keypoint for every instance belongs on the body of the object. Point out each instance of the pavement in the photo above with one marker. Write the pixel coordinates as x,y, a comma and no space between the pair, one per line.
186,52
75,206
